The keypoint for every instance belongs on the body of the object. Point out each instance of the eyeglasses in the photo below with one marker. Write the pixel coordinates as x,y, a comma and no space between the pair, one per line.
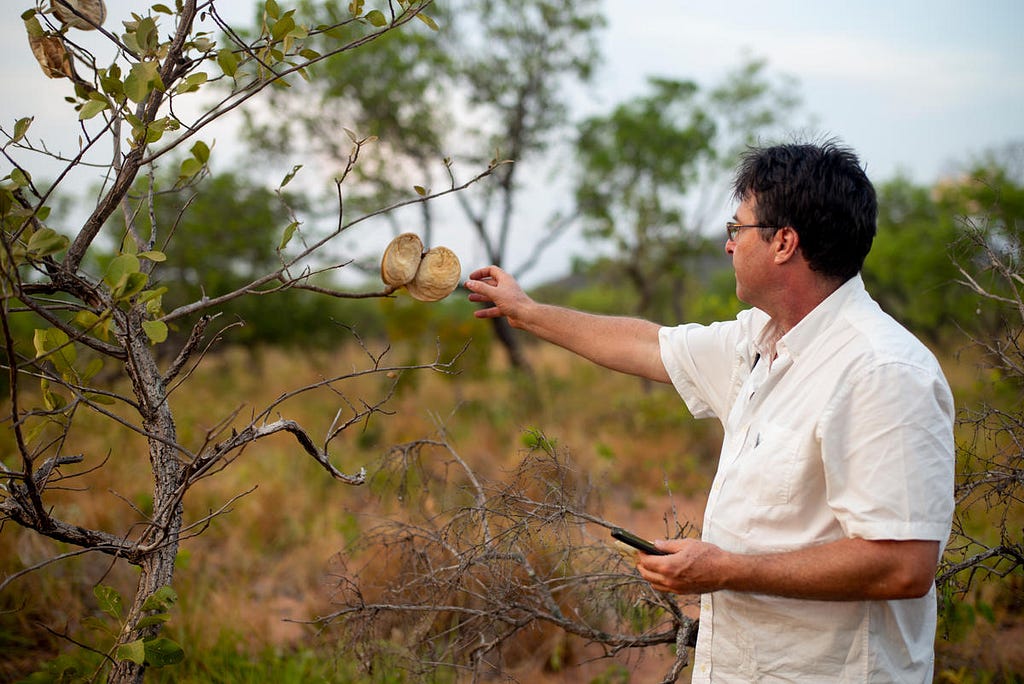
732,228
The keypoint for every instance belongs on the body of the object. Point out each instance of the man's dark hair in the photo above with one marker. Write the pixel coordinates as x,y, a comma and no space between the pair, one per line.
822,192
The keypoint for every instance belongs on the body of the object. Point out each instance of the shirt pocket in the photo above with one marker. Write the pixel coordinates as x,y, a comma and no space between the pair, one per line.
773,460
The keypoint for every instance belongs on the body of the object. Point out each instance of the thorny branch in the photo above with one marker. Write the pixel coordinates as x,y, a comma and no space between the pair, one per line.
483,567
991,450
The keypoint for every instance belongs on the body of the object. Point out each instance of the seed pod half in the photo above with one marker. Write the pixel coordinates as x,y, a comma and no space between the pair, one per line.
438,274
400,260
95,10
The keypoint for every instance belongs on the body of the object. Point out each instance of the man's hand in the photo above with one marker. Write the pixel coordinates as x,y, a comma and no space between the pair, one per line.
492,284
689,570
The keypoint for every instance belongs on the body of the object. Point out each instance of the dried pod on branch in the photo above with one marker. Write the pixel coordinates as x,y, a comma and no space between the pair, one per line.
401,259
437,275
90,13
427,276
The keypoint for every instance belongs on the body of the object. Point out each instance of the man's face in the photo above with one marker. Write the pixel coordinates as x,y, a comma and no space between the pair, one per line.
750,254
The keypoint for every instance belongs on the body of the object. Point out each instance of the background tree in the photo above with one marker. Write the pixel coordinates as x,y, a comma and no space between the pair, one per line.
986,541
128,102
510,67
234,227
911,269
653,169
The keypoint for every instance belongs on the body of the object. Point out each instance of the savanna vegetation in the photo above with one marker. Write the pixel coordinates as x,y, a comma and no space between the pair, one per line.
191,388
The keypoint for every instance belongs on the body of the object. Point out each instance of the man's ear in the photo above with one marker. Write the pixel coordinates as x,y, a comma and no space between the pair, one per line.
785,244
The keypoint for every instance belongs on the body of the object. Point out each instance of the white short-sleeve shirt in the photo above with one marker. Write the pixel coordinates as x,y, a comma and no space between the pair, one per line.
842,427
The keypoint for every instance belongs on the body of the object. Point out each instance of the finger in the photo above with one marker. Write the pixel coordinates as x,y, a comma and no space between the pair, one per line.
474,285
493,312
485,272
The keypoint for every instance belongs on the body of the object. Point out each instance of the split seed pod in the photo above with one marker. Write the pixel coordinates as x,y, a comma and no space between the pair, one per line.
400,261
94,10
438,274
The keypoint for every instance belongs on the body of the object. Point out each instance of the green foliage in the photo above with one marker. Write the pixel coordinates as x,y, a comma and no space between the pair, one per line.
216,241
643,163
924,236
909,270
92,664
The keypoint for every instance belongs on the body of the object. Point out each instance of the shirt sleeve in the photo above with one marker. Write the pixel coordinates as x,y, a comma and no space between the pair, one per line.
702,361
888,453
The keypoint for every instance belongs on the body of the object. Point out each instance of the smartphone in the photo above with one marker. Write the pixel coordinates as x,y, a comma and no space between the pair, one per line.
637,542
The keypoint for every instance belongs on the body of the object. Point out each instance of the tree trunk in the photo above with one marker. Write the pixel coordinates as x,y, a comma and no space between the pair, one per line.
162,534
157,571
513,348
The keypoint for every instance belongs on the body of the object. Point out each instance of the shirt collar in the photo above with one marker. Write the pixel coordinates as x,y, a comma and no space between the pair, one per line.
803,334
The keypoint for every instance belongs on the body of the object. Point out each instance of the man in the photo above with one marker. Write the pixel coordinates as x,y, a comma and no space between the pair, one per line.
834,492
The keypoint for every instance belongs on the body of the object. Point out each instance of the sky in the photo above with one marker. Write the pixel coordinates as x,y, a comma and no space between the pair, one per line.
915,87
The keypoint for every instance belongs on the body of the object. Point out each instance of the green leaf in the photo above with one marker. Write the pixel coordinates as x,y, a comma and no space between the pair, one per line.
355,8
377,18
282,27
163,651
227,61
428,21
156,331
134,651
141,80
97,325
21,128
132,285
291,174
420,190
86,319
100,398
21,178
109,600
54,344
156,619
163,9
32,25
189,168
147,36
53,401
201,151
192,82
153,255
94,366
91,109
119,268
45,242
161,599
288,233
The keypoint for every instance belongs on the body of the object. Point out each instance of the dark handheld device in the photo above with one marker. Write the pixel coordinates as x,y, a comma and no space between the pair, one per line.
637,542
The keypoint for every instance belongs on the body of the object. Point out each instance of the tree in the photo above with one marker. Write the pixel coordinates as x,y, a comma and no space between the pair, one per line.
990,261
82,321
497,79
652,169
911,270
233,227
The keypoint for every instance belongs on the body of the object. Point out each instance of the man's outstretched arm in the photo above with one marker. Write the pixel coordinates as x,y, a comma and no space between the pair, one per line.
628,345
